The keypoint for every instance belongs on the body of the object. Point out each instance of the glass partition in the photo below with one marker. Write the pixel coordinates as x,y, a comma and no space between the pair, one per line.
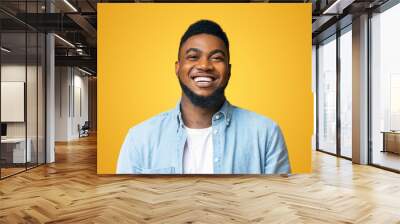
385,89
327,95
22,88
31,100
41,85
14,153
346,93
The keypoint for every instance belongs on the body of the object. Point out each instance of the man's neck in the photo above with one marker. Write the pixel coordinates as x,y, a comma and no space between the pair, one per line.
197,117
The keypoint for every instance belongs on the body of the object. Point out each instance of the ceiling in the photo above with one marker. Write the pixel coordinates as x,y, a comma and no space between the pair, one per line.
76,22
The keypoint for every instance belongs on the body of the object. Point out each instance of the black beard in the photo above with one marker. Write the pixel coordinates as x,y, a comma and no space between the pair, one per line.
214,100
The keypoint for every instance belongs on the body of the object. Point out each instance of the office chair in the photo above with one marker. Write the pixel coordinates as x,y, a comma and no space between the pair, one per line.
84,130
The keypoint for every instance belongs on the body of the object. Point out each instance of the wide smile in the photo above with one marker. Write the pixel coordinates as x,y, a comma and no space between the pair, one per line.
203,80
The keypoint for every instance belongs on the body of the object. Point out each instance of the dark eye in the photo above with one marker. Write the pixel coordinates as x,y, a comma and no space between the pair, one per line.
217,58
192,57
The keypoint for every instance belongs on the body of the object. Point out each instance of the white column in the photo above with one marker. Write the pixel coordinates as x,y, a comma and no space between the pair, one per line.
50,92
50,100
360,90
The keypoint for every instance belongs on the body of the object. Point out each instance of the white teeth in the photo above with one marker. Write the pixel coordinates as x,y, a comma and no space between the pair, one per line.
202,79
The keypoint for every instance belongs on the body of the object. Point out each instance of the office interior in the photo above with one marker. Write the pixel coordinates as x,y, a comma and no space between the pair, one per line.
357,93
48,81
49,78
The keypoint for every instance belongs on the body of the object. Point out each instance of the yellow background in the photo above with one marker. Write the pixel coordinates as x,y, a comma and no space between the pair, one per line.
270,47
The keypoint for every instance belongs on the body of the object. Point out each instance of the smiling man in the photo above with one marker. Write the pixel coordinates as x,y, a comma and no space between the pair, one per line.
204,133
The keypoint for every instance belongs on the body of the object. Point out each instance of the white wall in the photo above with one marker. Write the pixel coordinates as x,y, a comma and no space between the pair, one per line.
16,72
71,93
80,84
62,80
33,127
9,73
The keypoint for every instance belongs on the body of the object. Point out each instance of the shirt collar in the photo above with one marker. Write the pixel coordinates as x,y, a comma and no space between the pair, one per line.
225,110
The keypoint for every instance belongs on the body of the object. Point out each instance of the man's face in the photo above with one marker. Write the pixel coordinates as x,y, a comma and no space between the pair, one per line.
203,65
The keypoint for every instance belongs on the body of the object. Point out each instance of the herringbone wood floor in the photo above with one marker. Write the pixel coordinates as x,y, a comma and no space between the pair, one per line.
69,191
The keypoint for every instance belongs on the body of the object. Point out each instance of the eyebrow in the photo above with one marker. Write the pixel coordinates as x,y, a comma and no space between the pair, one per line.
211,53
192,49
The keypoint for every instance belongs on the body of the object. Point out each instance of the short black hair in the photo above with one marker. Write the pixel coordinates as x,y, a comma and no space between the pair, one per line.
207,27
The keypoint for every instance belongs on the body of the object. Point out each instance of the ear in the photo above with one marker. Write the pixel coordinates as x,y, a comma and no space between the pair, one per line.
176,68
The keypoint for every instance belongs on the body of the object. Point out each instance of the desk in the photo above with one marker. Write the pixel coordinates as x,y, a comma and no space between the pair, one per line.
15,148
391,141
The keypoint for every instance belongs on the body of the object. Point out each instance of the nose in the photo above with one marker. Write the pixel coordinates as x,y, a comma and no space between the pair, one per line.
204,64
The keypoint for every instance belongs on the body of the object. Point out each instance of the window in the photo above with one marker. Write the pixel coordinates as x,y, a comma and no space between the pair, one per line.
327,95
385,88
346,93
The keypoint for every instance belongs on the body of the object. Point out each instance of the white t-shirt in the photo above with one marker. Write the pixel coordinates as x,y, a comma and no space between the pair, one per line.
198,152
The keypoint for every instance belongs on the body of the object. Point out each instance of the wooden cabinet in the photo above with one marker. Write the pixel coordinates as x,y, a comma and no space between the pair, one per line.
391,142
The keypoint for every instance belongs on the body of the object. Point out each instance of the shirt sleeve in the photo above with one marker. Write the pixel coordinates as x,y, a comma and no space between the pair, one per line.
128,155
276,159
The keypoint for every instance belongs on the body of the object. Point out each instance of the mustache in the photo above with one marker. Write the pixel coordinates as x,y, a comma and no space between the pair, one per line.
195,72
193,75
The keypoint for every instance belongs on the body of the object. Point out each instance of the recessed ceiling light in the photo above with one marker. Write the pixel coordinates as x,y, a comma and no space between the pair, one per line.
84,71
5,50
71,6
338,6
64,40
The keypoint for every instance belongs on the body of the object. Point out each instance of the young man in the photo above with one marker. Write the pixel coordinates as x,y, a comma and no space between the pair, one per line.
204,134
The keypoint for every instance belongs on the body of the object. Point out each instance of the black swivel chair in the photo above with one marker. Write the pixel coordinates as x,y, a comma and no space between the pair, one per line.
84,130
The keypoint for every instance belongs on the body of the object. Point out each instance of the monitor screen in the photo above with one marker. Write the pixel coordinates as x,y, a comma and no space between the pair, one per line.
3,129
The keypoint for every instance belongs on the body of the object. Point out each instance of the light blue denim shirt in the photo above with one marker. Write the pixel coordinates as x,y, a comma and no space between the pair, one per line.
243,143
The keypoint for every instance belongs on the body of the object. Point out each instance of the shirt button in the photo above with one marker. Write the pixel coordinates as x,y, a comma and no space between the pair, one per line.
216,159
215,131
217,116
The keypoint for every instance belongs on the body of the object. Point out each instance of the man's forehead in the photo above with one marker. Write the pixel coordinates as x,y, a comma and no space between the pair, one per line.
204,40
